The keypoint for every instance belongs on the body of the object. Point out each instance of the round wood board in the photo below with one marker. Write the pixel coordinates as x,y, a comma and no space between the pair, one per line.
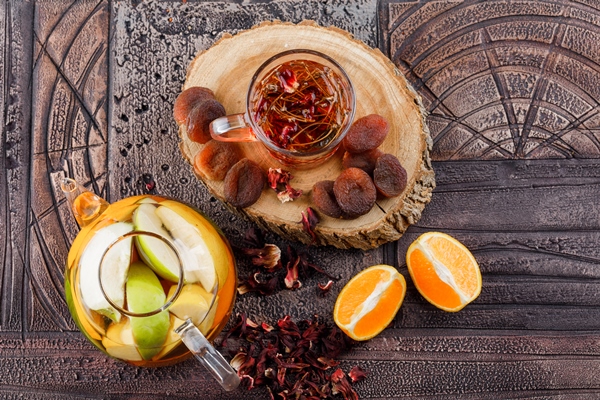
227,68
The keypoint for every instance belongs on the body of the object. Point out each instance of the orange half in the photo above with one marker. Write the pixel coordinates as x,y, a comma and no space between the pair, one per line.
444,271
369,302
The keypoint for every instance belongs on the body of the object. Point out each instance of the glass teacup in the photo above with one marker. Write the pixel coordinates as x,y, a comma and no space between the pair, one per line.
299,105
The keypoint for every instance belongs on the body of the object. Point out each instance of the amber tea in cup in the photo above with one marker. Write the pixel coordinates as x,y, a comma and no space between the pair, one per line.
299,105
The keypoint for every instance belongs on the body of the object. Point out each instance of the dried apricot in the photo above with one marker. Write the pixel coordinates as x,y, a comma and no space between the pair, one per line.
389,176
324,199
187,100
216,158
200,117
244,183
355,192
365,160
366,133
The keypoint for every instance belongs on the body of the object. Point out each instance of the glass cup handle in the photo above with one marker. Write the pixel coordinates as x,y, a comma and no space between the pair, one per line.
232,128
212,360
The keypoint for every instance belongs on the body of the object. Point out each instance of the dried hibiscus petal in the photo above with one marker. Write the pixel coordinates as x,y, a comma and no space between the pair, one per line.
238,360
269,256
291,360
253,237
341,385
253,284
309,222
289,194
291,279
279,181
357,374
325,288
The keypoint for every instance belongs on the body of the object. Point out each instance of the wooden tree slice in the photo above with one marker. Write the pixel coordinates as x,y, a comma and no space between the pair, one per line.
227,68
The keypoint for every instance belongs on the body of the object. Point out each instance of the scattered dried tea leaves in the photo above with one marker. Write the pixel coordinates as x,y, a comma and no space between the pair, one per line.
257,282
293,361
271,274
268,257
309,222
291,278
279,181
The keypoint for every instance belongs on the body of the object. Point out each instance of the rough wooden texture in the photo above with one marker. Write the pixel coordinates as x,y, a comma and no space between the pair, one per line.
227,68
88,88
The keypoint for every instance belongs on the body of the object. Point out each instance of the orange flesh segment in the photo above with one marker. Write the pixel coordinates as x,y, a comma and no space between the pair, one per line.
388,305
457,261
358,292
428,281
369,301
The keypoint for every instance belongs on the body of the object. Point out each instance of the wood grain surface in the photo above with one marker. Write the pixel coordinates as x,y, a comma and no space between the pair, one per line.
512,91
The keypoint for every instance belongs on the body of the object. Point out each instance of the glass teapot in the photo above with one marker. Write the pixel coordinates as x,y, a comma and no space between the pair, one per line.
149,280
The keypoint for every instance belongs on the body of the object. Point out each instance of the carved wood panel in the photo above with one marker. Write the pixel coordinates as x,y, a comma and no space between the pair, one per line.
502,79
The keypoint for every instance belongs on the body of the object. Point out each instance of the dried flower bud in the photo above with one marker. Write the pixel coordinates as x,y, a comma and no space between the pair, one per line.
268,257
238,360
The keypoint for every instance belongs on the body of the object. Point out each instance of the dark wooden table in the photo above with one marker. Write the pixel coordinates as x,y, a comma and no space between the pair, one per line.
513,92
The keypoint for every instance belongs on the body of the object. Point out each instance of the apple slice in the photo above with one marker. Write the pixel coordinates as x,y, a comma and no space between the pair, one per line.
191,303
212,236
119,342
145,294
173,339
153,251
198,263
114,270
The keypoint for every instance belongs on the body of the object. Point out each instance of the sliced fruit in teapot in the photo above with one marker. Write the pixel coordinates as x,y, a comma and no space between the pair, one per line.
198,263
154,251
193,302
145,294
114,270
119,342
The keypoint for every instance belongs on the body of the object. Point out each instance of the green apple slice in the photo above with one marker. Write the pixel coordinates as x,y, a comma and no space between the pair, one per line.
145,294
155,253
173,339
114,270
119,342
198,263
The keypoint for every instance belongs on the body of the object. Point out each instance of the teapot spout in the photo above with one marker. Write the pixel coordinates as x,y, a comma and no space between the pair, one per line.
85,205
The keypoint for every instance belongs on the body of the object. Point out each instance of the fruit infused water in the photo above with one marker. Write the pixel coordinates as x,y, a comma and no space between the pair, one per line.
142,268
301,105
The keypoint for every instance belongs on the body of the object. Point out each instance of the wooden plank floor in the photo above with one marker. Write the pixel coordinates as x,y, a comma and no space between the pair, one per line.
513,94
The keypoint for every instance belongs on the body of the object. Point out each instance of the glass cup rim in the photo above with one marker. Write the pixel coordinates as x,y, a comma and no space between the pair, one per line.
258,131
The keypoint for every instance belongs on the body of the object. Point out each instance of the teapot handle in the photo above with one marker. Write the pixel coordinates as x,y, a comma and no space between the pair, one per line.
212,360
